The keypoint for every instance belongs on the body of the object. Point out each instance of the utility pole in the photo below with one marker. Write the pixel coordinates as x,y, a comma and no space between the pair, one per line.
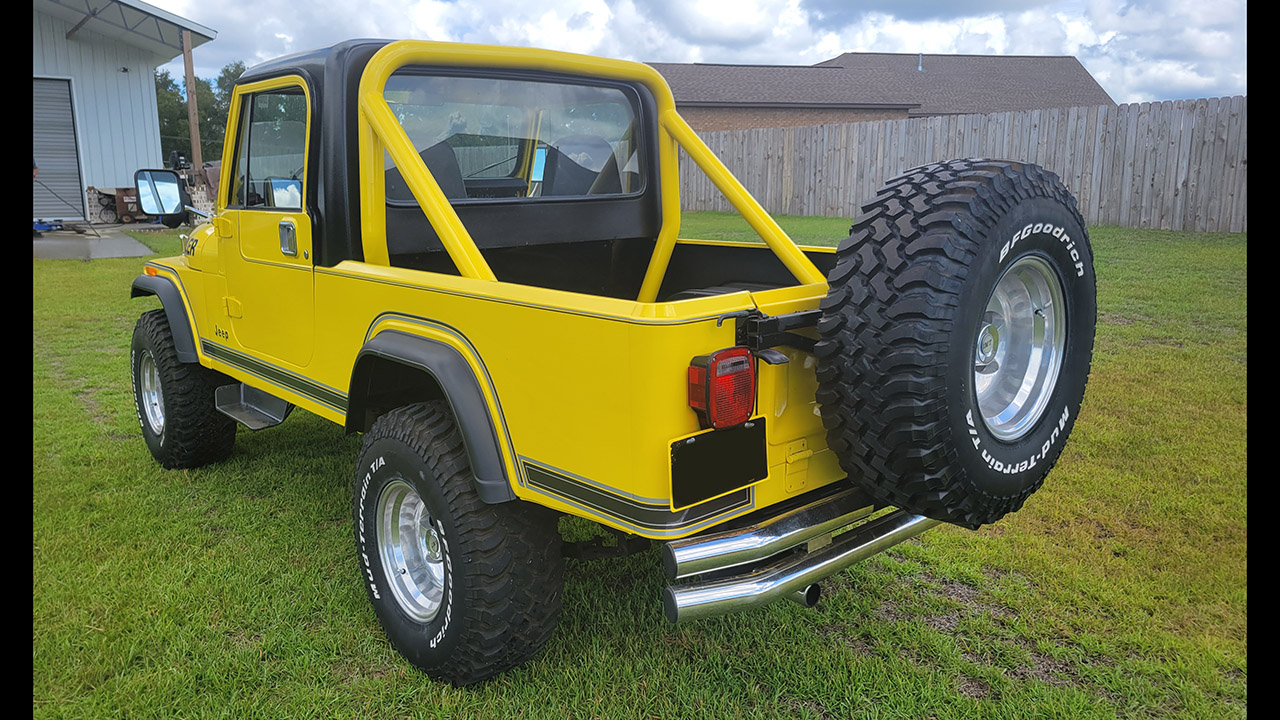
193,117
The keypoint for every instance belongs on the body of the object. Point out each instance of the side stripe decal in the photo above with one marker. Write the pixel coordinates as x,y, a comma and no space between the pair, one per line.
641,515
320,393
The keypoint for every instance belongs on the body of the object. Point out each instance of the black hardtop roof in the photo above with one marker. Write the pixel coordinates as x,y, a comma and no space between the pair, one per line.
333,196
333,74
308,63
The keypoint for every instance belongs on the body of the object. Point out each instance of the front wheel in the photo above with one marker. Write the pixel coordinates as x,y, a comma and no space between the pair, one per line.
175,400
464,590
957,337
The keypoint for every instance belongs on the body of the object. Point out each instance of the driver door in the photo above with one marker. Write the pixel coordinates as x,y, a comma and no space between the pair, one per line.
268,254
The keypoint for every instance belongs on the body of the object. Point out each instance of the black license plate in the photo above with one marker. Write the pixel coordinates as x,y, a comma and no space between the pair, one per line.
716,462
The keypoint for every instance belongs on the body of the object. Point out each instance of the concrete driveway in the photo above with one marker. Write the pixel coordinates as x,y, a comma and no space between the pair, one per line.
110,242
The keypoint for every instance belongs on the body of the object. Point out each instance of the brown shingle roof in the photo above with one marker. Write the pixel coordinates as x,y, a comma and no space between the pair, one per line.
949,84
983,83
789,85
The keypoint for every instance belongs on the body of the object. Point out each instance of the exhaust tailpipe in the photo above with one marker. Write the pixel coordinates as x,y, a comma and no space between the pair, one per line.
807,596
793,575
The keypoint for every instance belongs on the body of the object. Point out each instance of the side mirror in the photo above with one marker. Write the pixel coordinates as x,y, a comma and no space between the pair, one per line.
160,192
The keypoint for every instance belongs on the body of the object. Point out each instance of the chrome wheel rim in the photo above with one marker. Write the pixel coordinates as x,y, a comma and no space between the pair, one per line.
413,549
152,397
1018,348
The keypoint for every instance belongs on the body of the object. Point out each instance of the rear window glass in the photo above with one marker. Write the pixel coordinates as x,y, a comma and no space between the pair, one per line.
507,138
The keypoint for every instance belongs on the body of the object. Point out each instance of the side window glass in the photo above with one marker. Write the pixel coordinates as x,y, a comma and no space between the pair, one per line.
236,193
271,157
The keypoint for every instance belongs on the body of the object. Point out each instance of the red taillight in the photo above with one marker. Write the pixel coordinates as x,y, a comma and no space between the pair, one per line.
722,387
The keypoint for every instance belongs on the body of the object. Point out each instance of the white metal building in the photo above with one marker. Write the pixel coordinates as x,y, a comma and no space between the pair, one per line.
93,98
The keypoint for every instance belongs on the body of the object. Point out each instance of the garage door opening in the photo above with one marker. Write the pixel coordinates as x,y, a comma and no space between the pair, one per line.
60,193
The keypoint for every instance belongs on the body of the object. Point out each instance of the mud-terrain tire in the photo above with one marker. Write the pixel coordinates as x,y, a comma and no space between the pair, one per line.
920,357
472,589
174,400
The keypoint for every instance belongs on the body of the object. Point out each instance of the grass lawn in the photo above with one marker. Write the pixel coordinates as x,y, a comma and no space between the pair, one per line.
231,591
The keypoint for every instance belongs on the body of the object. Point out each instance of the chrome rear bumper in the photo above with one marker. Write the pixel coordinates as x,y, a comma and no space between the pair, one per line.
743,568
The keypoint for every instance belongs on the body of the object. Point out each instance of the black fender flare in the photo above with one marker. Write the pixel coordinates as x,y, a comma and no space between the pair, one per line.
458,385
175,309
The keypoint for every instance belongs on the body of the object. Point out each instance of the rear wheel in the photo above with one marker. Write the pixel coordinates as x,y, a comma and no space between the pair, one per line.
464,590
957,337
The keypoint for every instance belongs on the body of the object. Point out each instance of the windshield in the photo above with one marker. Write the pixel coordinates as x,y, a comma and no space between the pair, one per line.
503,138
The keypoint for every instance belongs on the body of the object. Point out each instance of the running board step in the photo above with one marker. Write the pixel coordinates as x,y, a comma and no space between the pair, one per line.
250,406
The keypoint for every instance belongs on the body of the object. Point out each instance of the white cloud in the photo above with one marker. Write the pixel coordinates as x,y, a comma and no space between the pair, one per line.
431,20
730,23
1214,44
1140,49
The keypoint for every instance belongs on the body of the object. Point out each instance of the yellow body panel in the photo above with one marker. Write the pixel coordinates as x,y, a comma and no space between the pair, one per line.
268,302
585,391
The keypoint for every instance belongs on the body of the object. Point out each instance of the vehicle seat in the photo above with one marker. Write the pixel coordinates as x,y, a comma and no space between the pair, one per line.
444,167
609,181
573,164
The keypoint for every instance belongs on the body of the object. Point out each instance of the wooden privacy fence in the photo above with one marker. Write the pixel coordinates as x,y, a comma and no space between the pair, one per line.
1175,165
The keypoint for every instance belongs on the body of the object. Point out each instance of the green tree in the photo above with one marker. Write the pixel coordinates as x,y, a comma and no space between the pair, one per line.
224,85
172,109
211,106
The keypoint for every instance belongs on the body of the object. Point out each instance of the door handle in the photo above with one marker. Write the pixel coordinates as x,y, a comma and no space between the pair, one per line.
288,239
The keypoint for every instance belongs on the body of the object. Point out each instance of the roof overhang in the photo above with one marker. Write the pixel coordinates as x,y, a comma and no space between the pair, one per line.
799,105
131,22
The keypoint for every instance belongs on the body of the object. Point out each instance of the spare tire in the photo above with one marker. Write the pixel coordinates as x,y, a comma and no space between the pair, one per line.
957,337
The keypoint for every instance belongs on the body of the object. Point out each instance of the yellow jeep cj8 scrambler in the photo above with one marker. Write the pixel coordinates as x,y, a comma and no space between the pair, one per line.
472,255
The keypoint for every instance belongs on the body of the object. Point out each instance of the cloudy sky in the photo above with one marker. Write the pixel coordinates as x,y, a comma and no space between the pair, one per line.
1139,51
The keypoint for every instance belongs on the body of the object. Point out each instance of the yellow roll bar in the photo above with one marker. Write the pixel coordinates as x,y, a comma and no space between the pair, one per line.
378,131
762,222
